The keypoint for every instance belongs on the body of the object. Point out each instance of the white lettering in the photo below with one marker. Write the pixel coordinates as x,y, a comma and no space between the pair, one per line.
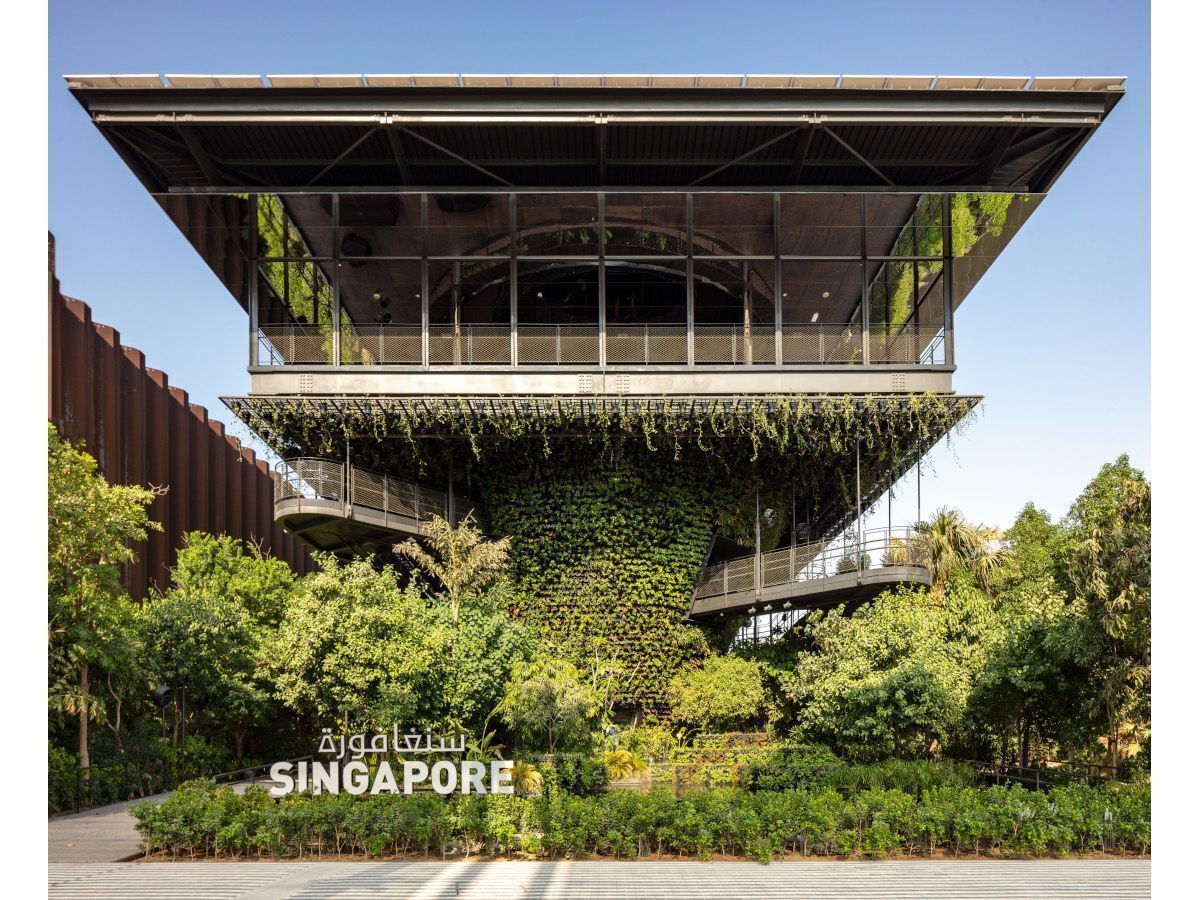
445,777
355,777
473,774
325,778
281,774
414,770
502,776
385,779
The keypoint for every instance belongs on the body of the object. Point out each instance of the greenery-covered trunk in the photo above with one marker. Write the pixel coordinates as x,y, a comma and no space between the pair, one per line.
605,556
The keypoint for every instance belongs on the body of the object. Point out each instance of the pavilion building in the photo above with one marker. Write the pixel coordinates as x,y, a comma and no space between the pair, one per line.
429,263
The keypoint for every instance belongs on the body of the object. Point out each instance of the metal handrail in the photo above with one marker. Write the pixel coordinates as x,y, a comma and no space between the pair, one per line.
878,548
311,478
579,345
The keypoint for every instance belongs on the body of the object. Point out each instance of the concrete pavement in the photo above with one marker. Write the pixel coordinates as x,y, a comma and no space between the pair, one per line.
104,834
486,880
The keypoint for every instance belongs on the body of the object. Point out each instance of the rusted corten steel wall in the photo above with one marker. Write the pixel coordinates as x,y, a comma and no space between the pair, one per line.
141,430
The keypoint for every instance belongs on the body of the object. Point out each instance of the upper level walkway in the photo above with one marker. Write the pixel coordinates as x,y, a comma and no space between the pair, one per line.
564,360
352,511
817,575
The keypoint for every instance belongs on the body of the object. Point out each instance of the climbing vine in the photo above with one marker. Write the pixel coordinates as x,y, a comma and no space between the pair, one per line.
611,503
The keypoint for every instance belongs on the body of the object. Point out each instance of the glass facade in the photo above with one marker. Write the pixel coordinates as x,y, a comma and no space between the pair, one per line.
623,278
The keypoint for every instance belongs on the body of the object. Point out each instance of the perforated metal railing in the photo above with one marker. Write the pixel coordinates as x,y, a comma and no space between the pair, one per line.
879,548
325,479
558,344
579,345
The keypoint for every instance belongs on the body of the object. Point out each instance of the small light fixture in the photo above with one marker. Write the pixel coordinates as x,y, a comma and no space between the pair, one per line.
539,295
785,293
816,316
767,608
752,610
787,604
824,295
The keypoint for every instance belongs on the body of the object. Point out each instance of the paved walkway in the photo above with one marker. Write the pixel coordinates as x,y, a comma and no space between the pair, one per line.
104,834
823,880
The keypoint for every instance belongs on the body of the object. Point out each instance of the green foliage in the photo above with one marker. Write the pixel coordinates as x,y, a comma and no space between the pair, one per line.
221,566
201,820
798,766
725,692
356,647
459,558
548,704
893,679
1109,570
607,539
92,526
573,773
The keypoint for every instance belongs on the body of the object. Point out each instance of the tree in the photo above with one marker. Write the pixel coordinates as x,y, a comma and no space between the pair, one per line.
893,679
948,541
1029,690
353,646
462,560
219,565
207,635
1109,570
725,693
487,643
547,703
92,525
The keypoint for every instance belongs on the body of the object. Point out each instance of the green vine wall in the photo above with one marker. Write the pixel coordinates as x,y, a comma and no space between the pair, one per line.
611,506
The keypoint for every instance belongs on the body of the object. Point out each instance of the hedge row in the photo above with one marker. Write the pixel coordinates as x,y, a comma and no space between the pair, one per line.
201,820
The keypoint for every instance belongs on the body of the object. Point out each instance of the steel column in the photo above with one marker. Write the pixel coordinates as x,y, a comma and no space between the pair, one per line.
252,300
337,286
947,283
865,307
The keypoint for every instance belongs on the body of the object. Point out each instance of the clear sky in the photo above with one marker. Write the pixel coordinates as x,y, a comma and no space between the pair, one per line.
1056,336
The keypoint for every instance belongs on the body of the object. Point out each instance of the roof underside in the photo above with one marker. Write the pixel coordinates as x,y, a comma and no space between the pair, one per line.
486,133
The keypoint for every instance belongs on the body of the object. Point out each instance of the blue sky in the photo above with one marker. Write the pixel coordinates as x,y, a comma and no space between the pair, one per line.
1056,336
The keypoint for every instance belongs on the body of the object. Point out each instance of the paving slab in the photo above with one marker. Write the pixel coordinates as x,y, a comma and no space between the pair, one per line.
508,880
104,834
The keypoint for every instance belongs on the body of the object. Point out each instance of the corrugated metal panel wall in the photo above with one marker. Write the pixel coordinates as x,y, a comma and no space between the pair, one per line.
144,431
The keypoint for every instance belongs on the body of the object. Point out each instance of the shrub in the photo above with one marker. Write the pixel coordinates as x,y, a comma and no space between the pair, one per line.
801,766
203,820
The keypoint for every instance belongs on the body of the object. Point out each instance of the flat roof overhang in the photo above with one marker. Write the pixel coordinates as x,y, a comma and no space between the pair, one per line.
485,133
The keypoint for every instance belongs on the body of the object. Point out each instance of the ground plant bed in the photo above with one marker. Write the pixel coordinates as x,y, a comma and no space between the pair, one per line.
202,820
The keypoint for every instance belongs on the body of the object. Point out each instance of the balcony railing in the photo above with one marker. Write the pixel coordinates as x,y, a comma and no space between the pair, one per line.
879,548
324,479
580,345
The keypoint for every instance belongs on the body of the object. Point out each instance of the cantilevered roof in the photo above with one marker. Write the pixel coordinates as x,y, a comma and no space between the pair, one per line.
186,133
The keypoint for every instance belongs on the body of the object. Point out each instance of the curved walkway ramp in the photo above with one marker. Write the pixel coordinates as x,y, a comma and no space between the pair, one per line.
354,512
818,575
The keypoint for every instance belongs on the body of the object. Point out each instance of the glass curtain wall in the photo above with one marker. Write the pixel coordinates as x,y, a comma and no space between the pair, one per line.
615,279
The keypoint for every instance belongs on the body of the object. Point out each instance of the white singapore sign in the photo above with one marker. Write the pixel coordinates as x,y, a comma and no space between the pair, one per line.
350,773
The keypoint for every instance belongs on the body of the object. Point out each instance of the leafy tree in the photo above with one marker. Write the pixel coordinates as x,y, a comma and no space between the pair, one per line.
724,693
462,560
92,525
1029,686
548,704
893,679
219,565
355,646
947,541
1109,570
207,635
487,643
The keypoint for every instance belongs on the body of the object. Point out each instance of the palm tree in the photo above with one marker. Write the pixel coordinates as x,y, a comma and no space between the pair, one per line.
948,541
461,559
